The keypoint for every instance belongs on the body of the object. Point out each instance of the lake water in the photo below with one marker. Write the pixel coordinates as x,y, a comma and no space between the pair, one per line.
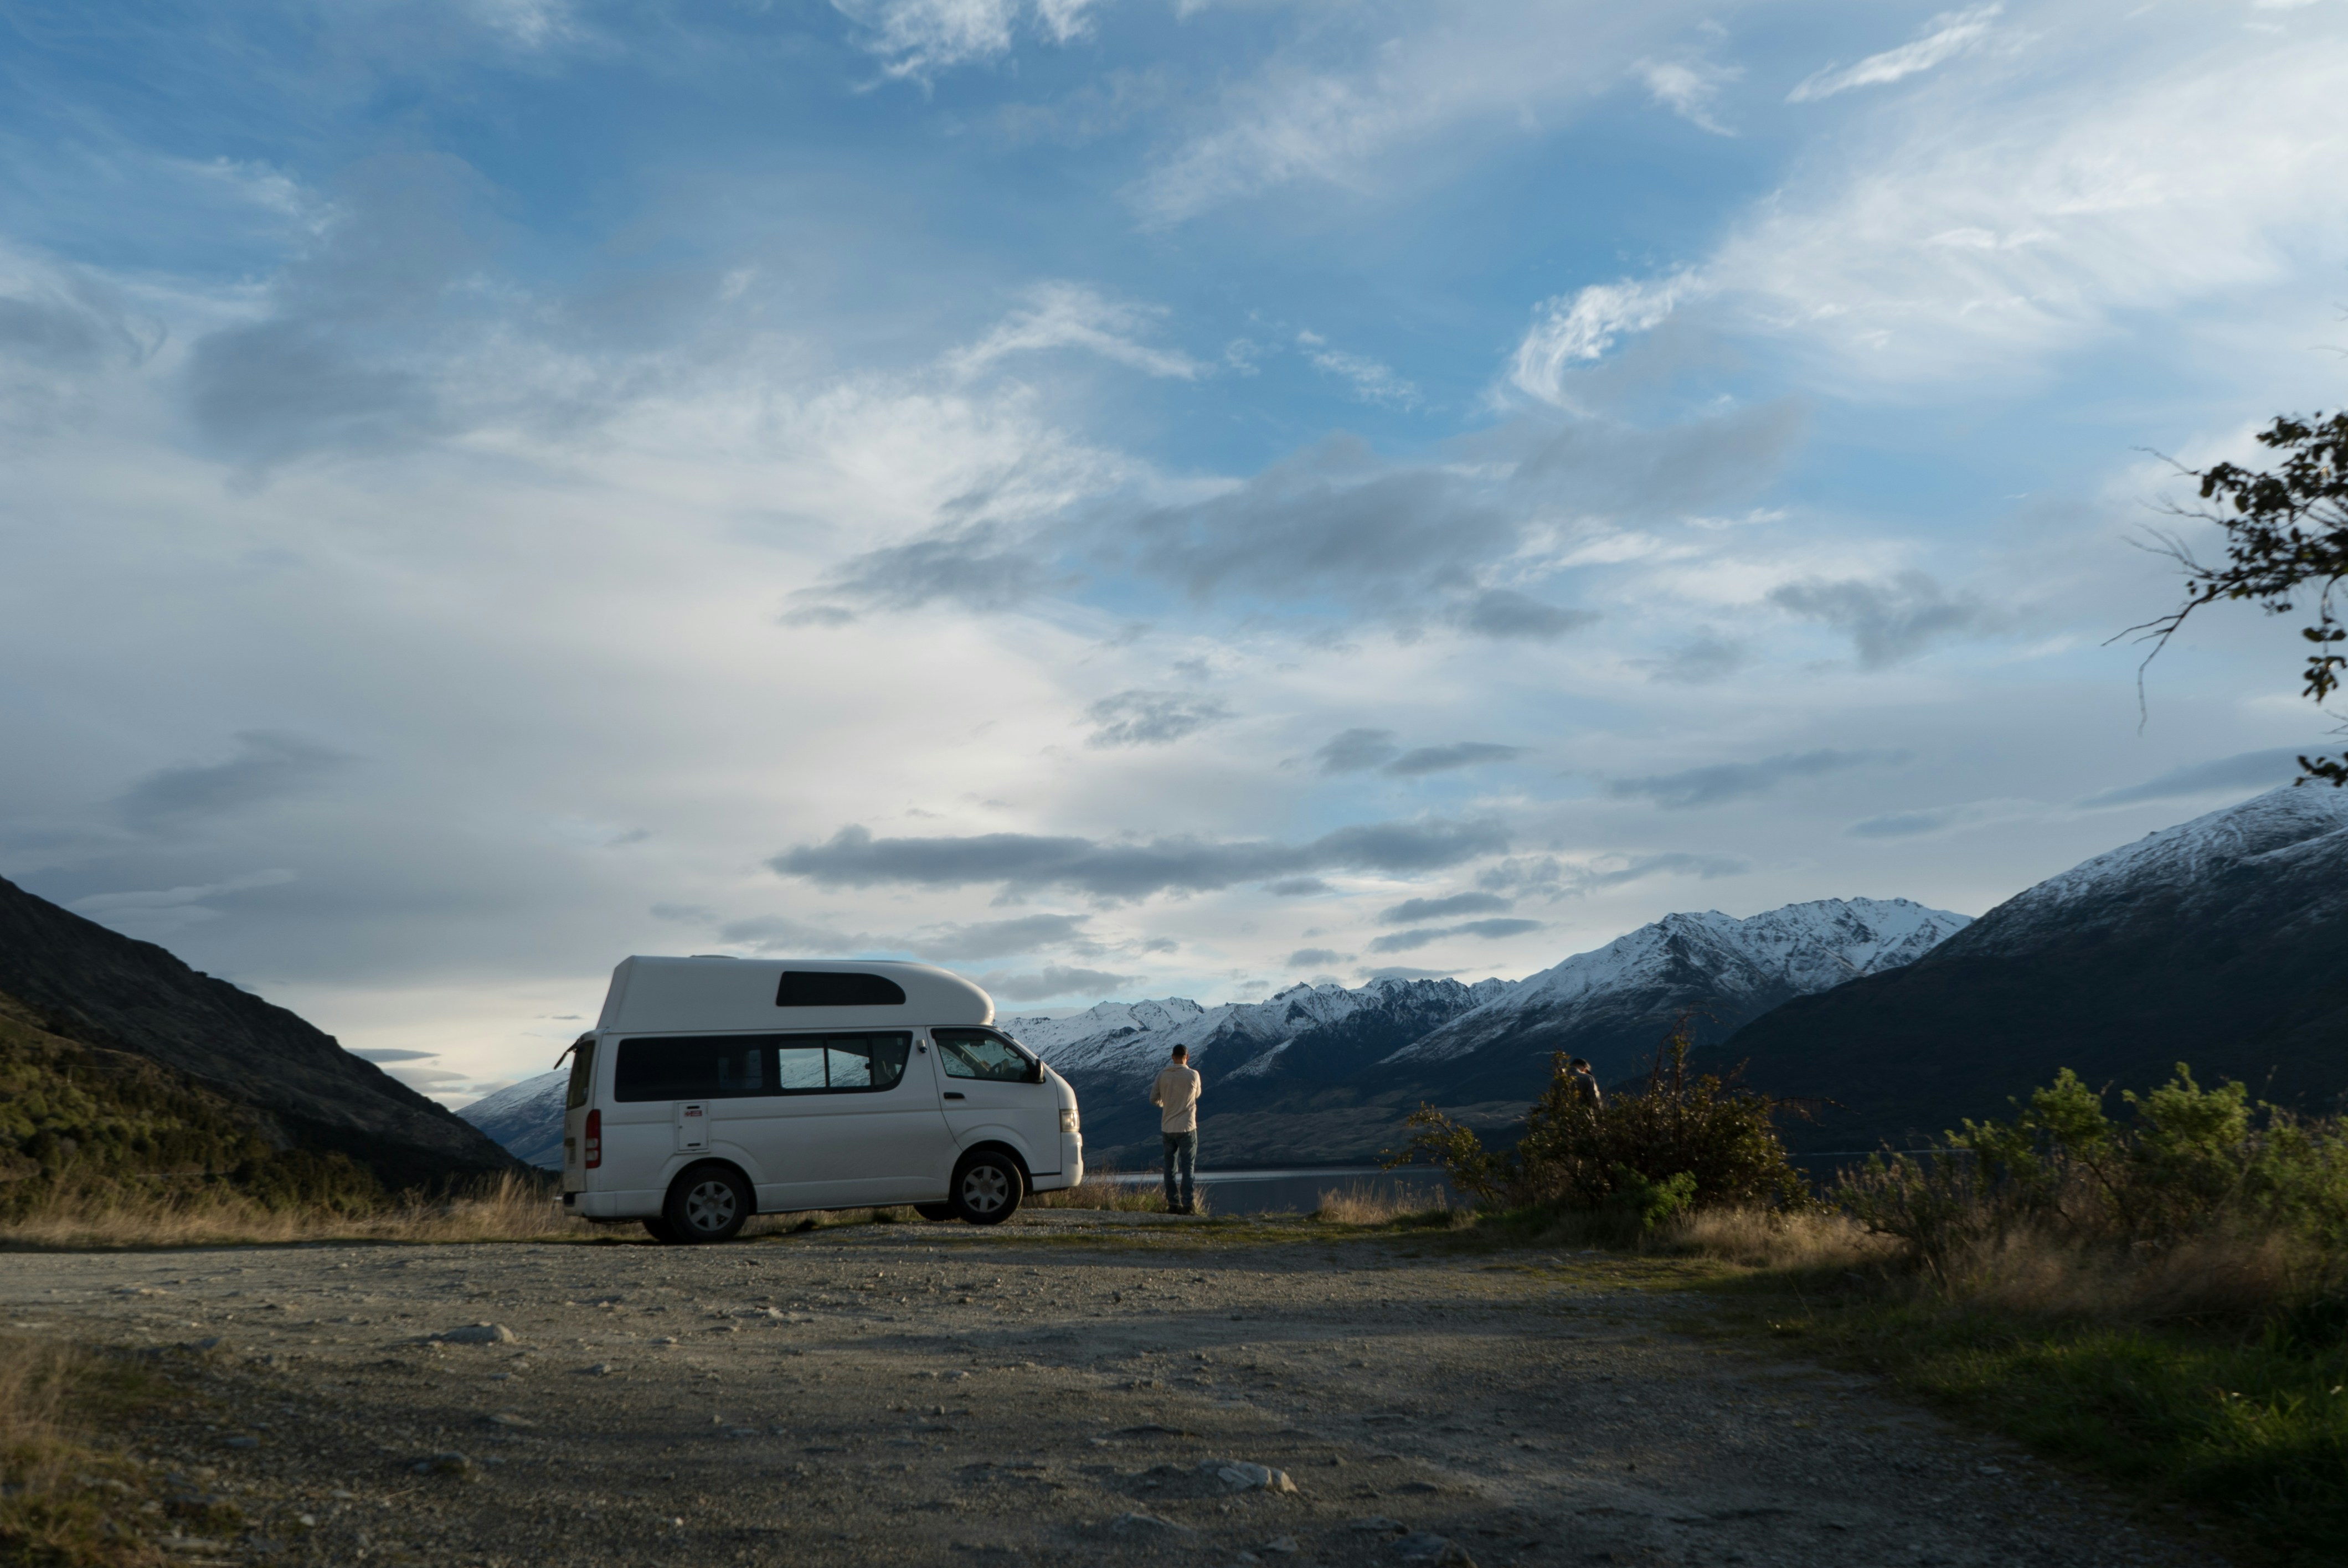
1298,1191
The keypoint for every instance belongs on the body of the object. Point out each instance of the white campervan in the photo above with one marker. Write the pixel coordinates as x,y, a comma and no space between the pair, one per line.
713,1089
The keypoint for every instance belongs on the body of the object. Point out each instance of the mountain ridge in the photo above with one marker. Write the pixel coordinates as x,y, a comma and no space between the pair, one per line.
87,982
2221,942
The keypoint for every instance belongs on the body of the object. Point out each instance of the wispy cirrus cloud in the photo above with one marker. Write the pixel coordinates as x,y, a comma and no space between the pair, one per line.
1953,33
1066,315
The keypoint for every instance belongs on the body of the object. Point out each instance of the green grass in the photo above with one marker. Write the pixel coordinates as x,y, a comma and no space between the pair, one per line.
2250,1435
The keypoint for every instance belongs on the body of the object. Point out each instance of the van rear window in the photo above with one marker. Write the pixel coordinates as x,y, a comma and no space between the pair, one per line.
738,1066
833,988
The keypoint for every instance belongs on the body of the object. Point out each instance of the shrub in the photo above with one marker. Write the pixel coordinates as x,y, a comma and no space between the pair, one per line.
2199,1184
1677,1141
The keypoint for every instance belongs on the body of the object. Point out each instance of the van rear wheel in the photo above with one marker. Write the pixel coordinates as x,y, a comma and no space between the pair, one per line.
707,1203
987,1188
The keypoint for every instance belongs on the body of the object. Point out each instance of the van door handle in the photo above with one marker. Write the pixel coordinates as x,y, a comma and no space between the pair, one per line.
951,1095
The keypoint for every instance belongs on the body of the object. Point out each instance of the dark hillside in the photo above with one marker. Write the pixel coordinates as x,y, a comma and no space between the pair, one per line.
96,986
82,1121
2222,943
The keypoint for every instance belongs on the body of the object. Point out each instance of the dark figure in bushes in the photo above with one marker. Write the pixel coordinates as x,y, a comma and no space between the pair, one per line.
1678,1140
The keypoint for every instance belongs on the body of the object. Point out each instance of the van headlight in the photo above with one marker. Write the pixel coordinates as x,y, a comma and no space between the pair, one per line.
1068,1121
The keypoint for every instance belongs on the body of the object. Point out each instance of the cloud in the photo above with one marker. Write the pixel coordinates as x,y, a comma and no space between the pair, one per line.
919,39
1372,89
1357,750
1070,315
1953,33
1371,381
1318,958
1488,930
1688,88
268,765
1151,718
1426,760
1503,613
158,911
380,1054
1331,517
1395,973
1053,981
2244,772
1699,662
1889,622
1133,869
1572,331
1639,867
1413,910
1720,783
1004,938
1928,820
1297,887
973,942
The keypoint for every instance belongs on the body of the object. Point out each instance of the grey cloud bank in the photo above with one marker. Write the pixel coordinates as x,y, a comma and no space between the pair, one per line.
1723,781
2245,770
854,858
267,767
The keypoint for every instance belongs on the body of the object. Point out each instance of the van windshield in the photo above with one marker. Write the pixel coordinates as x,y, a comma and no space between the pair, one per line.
982,1053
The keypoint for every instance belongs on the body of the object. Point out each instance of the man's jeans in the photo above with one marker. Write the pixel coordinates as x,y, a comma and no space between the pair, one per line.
1182,1156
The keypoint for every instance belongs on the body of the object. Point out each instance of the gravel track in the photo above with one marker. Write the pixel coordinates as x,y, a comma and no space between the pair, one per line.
1048,1392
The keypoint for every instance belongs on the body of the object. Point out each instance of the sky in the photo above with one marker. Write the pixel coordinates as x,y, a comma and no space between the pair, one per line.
1119,497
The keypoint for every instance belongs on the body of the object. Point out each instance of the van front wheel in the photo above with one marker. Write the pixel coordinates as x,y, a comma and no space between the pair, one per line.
987,1188
708,1204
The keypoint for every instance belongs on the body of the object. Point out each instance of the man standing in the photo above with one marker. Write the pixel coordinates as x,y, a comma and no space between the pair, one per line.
1176,1095
1583,1083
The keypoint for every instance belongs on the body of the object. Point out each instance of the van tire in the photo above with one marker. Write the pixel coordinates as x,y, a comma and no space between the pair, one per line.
987,1187
658,1230
937,1211
707,1203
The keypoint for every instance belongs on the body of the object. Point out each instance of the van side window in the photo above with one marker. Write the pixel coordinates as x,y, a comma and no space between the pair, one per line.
982,1053
831,988
737,1066
583,1073
693,1067
866,1060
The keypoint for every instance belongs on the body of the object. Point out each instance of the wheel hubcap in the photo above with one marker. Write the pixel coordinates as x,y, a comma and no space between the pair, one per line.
985,1189
709,1206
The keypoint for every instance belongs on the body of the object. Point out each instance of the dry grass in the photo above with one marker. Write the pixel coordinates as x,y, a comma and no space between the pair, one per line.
57,1496
1362,1205
1798,1240
1102,1189
2218,1277
515,1209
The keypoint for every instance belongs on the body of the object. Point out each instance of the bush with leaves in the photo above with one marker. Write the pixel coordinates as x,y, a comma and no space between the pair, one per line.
2190,1162
1678,1140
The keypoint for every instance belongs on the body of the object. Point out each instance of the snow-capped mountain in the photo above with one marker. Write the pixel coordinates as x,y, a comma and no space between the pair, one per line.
1611,1005
2221,942
2273,840
526,1118
1327,1072
1135,1039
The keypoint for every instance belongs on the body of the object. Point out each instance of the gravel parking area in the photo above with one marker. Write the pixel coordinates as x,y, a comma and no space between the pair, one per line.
1068,1389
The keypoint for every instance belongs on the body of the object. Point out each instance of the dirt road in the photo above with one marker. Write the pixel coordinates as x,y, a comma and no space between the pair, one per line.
1069,1389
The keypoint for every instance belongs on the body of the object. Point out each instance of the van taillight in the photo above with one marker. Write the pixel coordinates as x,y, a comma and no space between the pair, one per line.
594,1139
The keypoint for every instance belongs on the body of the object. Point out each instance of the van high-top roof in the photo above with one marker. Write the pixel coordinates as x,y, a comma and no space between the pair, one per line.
715,993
